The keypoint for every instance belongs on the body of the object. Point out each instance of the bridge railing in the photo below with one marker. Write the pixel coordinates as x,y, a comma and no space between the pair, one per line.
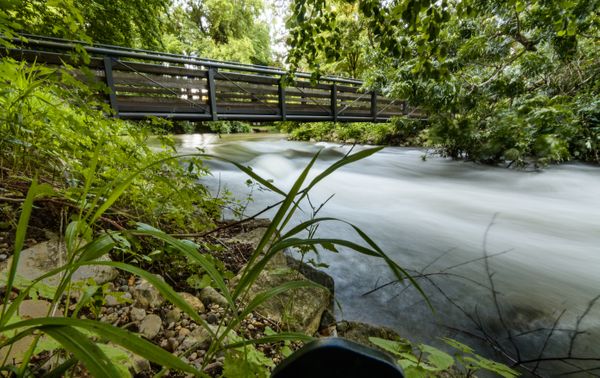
143,83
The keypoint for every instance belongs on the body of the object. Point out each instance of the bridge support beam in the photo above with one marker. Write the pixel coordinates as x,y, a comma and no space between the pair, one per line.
282,107
374,106
334,111
110,83
212,93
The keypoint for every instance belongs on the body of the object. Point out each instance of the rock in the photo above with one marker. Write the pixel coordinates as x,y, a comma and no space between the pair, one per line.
299,309
193,301
150,326
199,336
360,332
184,332
172,344
209,295
212,318
33,309
173,316
28,309
44,257
147,296
140,364
3,256
137,314
111,301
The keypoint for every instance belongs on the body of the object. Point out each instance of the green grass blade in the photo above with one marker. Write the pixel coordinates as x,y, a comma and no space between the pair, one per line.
249,275
126,339
165,289
61,370
97,247
304,225
193,254
264,296
340,163
20,239
282,336
87,352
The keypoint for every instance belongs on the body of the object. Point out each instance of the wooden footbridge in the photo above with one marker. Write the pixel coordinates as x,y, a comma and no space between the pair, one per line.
147,83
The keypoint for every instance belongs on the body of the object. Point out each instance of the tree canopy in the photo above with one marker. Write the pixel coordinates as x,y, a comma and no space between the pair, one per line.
501,80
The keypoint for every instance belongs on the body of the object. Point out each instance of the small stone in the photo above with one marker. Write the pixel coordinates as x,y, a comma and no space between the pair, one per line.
140,364
170,333
198,336
184,332
172,344
212,318
209,295
137,314
111,300
146,295
124,288
173,316
193,356
171,325
3,256
150,326
196,303
164,343
33,309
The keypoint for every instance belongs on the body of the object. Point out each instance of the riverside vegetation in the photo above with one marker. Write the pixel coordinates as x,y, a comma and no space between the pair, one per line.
67,167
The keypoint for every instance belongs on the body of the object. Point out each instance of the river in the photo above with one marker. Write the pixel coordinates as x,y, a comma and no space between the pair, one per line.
431,214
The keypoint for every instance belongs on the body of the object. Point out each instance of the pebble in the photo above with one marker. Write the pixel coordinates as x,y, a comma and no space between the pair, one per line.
193,356
184,332
150,326
173,316
170,333
172,344
212,319
124,288
137,314
3,256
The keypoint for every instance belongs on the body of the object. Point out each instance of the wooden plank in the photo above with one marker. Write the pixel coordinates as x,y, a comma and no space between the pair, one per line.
246,78
159,69
130,78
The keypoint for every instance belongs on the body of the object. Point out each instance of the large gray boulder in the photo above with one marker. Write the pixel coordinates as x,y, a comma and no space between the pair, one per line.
299,309
44,257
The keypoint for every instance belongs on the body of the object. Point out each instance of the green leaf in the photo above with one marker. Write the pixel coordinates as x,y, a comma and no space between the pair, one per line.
441,360
127,340
394,347
87,352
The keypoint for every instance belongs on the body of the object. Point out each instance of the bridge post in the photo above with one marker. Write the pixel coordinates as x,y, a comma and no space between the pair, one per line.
212,93
110,83
374,106
334,101
282,107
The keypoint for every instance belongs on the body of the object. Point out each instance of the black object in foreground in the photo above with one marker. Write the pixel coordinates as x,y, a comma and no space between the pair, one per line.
337,358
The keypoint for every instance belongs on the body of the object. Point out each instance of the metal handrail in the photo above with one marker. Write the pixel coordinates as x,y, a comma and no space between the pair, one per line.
119,51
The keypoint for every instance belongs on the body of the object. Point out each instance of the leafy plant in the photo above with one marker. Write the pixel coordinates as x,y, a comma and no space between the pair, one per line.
420,360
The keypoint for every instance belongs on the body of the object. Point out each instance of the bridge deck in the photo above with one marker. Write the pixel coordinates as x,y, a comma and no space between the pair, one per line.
145,83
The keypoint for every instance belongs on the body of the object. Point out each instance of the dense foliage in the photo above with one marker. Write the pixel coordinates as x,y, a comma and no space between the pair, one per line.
512,80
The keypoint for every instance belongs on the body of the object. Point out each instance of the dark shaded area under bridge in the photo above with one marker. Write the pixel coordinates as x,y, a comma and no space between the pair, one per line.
146,83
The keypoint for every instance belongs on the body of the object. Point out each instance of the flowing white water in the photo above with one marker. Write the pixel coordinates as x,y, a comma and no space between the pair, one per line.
432,214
